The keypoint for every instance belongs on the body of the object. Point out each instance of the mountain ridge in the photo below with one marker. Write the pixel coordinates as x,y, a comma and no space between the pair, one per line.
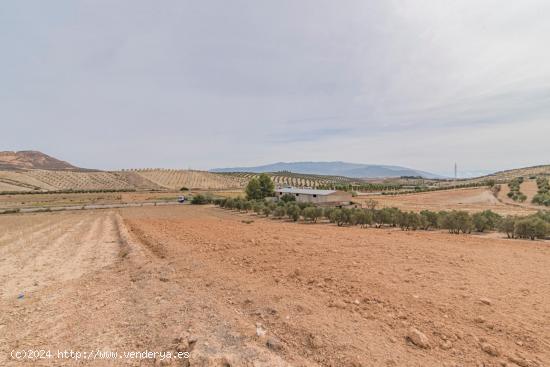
333,168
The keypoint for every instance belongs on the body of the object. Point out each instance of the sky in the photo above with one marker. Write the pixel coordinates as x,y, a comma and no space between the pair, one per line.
205,84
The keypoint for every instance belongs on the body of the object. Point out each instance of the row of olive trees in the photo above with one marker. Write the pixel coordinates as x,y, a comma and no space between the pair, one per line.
543,194
280,209
455,221
515,193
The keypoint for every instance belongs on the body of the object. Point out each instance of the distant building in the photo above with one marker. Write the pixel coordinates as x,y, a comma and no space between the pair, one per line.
314,195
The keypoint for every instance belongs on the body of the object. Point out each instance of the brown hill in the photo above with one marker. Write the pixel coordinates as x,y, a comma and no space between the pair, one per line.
30,159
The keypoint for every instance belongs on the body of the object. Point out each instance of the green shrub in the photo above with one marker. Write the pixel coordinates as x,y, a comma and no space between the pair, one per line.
327,212
464,221
363,217
247,205
380,217
481,223
288,198
302,206
260,188
199,200
386,216
267,186
543,185
429,219
507,225
337,216
515,193
279,212
544,215
293,211
253,190
312,213
456,221
485,221
542,198
531,228
257,207
409,220
543,194
266,210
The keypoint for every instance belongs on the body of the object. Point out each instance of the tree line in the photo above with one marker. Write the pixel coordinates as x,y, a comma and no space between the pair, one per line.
454,221
259,189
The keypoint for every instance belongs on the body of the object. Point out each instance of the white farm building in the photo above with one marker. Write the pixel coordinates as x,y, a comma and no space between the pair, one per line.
314,195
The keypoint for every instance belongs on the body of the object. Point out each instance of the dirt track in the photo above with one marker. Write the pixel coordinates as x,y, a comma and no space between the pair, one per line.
326,296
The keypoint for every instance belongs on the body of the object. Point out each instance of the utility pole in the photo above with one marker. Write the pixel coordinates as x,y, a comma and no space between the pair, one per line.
456,172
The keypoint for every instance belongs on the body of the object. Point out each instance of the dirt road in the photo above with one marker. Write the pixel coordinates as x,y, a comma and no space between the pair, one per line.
206,279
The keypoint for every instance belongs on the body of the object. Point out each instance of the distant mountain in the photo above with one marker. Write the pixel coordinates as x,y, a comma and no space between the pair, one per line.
30,159
355,170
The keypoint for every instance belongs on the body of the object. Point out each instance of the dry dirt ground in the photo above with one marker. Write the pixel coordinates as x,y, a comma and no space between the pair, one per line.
471,199
213,282
529,188
71,199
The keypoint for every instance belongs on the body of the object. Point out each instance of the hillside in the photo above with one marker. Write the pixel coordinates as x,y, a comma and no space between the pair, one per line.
49,180
507,175
525,172
295,179
148,179
35,171
176,179
30,159
353,170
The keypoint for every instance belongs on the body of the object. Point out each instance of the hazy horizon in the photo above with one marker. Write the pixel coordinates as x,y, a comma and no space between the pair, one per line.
211,84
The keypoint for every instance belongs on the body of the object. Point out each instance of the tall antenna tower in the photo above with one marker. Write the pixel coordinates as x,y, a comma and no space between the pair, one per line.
456,171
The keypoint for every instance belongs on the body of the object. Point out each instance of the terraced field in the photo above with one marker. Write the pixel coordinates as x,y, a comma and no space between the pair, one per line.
295,179
177,179
72,180
168,179
21,181
47,180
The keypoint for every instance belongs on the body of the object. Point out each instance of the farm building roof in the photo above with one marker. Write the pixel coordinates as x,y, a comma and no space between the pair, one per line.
292,190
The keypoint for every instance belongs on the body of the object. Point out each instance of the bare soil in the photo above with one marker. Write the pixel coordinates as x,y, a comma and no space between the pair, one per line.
529,188
72,199
471,200
157,278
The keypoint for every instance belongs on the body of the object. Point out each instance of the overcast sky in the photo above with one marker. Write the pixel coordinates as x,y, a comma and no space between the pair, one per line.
204,84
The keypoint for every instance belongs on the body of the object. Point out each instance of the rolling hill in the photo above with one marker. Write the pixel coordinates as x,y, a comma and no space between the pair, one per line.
32,171
353,170
30,159
173,179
